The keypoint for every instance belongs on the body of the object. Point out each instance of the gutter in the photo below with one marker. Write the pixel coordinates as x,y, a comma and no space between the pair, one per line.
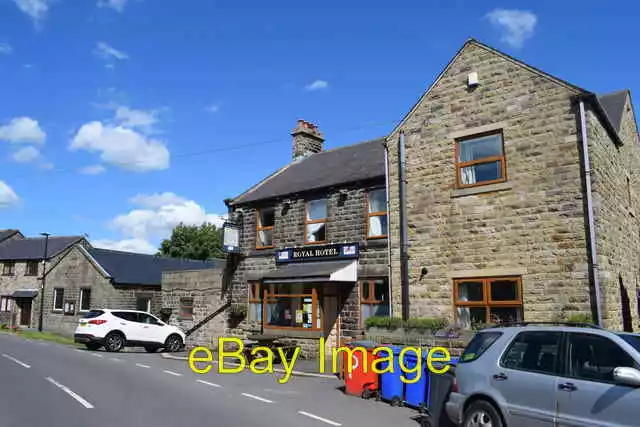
404,252
590,216
389,267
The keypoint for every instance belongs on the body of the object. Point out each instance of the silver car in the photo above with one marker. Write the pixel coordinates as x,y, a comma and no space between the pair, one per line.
529,375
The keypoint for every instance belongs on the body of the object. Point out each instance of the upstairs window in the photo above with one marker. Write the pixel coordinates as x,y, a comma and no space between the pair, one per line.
8,268
377,214
316,221
265,222
32,268
186,308
480,160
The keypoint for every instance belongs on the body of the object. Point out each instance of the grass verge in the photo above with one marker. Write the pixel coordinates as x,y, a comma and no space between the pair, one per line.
44,336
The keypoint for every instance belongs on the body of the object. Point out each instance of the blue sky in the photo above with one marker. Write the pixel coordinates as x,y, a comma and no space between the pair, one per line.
121,118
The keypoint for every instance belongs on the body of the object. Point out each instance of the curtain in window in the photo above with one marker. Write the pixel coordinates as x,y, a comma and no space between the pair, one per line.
468,174
315,232
464,313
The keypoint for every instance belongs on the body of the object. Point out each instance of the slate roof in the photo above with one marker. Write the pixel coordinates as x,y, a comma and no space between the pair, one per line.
5,234
31,248
613,104
128,268
329,168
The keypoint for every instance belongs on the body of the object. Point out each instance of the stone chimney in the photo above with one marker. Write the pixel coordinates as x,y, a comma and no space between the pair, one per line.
307,140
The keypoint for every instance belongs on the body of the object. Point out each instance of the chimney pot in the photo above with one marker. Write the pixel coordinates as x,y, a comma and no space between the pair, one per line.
307,139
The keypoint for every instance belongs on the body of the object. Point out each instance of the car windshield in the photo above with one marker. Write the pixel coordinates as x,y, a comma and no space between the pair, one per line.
634,340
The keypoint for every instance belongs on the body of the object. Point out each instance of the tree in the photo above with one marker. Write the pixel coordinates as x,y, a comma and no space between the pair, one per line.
193,241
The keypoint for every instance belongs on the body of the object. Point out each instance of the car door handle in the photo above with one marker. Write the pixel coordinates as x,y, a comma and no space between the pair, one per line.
145,327
122,323
500,377
567,387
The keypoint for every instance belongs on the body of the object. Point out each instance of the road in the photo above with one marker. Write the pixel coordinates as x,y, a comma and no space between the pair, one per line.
48,384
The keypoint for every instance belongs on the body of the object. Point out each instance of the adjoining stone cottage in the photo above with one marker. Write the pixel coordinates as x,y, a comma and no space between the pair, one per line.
314,255
505,219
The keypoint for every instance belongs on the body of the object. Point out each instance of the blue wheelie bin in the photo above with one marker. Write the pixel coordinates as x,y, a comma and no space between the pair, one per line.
415,394
391,386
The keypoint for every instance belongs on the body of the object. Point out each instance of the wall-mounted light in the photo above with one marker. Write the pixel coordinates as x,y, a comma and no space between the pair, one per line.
286,206
342,198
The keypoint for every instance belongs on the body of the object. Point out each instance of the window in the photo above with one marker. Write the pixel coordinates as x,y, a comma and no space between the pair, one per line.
291,305
488,300
6,304
85,299
186,308
533,351
147,319
58,299
480,160
593,358
126,315
93,314
634,340
8,268
374,298
265,221
143,304
316,221
478,345
377,214
32,268
255,303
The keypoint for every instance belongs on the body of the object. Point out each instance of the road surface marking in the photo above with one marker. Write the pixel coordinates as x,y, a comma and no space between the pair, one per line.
261,399
97,355
24,365
70,393
115,359
315,417
140,365
172,373
209,384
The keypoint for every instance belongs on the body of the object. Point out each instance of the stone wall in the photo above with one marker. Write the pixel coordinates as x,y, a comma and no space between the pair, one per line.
346,223
205,288
74,272
616,191
532,225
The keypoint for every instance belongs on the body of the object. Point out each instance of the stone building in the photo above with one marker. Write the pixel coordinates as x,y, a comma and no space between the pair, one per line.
21,260
193,296
522,196
313,256
87,278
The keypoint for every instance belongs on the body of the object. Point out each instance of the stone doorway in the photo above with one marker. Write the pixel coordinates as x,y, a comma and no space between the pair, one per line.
25,311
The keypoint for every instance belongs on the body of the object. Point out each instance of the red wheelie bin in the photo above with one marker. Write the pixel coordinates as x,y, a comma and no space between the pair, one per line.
358,382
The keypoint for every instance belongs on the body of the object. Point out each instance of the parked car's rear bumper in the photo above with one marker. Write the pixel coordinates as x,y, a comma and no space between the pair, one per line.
87,338
455,407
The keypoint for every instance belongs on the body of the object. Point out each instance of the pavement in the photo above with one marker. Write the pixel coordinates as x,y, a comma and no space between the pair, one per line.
48,384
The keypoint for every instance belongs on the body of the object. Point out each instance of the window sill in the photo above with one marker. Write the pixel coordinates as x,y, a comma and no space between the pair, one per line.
481,189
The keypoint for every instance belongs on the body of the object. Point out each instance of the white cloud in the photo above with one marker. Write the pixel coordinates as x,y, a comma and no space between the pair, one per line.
516,25
140,119
5,48
92,170
23,129
36,9
122,147
26,155
317,85
117,5
8,197
154,201
46,166
105,51
127,245
154,219
213,108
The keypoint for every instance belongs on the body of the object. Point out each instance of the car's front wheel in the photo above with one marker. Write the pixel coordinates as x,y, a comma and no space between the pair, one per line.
482,414
173,344
114,342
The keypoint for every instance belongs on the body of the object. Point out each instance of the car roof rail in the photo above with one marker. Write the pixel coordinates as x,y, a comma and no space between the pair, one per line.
560,323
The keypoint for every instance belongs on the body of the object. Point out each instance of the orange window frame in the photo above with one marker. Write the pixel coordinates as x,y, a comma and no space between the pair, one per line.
260,228
371,284
460,165
270,296
373,214
487,302
307,222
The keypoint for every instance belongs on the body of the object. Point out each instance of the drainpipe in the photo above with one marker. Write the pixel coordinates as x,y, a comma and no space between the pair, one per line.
591,225
389,268
404,252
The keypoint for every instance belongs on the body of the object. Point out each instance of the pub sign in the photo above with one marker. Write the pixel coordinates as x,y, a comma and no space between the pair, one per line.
318,253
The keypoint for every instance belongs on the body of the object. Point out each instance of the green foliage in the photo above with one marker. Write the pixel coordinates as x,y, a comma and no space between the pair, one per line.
428,324
3,327
580,318
392,323
201,242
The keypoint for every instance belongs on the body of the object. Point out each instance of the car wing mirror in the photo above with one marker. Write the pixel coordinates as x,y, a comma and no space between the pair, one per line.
627,376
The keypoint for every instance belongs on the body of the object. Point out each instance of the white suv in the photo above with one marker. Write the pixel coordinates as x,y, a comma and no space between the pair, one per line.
116,329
